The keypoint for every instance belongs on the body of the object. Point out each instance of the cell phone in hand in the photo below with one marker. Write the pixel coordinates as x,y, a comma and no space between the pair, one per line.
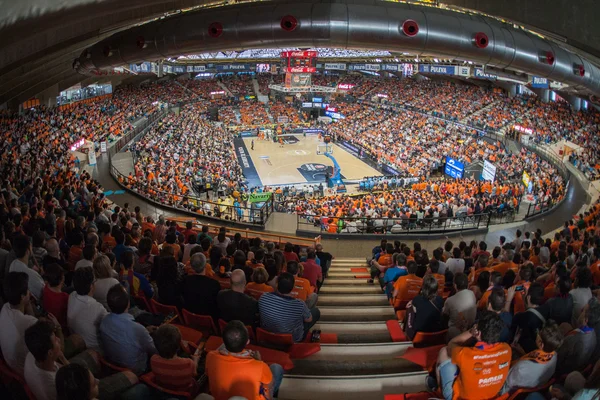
40,312
520,288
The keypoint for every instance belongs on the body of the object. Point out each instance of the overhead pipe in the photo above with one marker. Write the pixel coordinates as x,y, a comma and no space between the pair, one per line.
345,24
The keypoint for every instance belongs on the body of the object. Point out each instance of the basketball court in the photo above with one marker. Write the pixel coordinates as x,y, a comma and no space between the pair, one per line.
297,162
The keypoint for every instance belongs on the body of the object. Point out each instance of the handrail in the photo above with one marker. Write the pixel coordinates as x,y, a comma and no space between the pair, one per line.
247,233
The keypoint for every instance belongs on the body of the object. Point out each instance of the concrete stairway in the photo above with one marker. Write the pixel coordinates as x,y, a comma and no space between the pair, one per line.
363,364
225,88
261,97
478,112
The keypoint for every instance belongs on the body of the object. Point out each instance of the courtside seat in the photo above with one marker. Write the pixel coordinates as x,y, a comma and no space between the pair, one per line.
426,339
149,379
251,335
165,310
13,381
202,323
270,356
523,392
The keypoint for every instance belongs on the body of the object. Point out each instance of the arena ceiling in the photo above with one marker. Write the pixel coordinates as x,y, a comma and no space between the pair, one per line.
43,38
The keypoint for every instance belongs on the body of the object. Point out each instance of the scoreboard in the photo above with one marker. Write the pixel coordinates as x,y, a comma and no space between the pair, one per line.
299,61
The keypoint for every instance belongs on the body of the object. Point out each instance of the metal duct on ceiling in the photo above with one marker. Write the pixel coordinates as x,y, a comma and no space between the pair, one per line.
344,24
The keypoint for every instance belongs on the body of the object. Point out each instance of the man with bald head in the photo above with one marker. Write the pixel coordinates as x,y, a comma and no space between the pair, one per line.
199,291
234,304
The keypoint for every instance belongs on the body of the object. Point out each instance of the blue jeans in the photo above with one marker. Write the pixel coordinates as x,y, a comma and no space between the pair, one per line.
447,375
277,371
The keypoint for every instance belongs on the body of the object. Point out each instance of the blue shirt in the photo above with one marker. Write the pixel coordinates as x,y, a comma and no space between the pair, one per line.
118,251
282,314
125,342
392,274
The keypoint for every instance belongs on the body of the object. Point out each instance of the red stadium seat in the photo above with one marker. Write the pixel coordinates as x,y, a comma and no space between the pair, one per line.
189,334
149,380
202,323
425,357
396,332
143,303
112,368
279,339
165,309
285,342
424,339
13,381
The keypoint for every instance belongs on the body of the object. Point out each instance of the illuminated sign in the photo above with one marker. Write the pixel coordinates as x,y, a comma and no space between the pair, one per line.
454,168
77,144
526,178
218,92
480,73
383,96
437,69
345,86
299,54
522,129
489,171
338,66
301,69
541,83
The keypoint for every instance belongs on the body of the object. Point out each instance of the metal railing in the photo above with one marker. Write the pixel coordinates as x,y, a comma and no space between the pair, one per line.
398,226
253,215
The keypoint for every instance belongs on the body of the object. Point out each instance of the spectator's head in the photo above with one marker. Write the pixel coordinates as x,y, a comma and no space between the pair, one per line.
260,275
239,258
564,285
145,246
292,267
75,382
89,252
259,256
198,263
483,246
288,247
591,314
235,336
461,281
495,278
489,327
238,280
117,299
127,259
584,277
83,281
526,273
429,288
434,266
448,246
41,341
285,283
412,267
119,236
167,340
456,252
401,260
21,245
549,338
483,280
389,248
54,275
535,295
509,278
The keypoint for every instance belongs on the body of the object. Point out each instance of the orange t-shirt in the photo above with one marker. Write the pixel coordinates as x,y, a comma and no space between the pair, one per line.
385,260
505,266
230,376
483,370
304,284
595,268
257,289
408,287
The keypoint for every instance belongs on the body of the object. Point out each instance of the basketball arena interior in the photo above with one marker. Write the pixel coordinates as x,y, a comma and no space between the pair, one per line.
299,199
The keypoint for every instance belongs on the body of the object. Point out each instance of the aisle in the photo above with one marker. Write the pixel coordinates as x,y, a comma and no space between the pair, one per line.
363,364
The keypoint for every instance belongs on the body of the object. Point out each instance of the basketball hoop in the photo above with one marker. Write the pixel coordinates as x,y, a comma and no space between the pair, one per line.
324,149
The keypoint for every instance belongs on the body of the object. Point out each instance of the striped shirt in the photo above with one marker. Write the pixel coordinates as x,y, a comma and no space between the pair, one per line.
175,373
282,314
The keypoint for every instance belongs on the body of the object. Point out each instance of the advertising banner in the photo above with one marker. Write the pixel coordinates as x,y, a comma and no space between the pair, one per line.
306,105
297,80
480,74
233,67
437,69
463,71
299,54
196,68
365,67
489,171
526,178
179,69
454,168
345,86
538,82
390,67
336,66
301,69
334,115
103,146
259,197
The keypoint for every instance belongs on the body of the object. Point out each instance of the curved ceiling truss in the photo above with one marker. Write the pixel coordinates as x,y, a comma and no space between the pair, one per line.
346,24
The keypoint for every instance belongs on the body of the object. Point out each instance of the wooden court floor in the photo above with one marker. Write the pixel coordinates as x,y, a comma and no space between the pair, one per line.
278,166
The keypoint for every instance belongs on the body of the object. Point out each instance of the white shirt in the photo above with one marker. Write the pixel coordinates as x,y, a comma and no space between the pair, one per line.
40,381
36,283
461,308
84,263
101,288
581,296
84,315
456,265
12,336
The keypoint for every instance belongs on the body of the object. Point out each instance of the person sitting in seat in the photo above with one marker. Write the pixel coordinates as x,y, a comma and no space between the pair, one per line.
537,367
424,312
459,363
460,307
125,342
199,291
281,313
234,371
171,371
234,304
259,285
302,286
407,287
381,262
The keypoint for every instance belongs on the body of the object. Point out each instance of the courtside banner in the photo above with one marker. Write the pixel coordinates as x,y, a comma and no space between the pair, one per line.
336,66
233,67
437,69
538,82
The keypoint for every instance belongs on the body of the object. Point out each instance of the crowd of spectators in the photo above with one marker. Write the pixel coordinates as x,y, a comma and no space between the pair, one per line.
531,303
238,85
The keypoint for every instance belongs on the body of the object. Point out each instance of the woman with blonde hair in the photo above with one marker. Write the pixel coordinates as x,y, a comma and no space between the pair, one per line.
103,273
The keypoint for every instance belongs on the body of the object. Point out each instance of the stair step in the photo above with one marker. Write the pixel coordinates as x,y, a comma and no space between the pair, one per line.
352,327
370,387
365,289
360,352
335,280
343,274
391,365
356,314
340,300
